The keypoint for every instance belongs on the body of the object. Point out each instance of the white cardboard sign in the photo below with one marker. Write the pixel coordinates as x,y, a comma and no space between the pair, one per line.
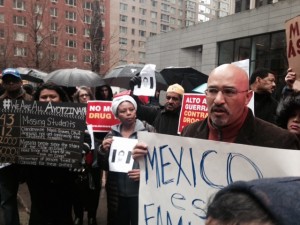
179,174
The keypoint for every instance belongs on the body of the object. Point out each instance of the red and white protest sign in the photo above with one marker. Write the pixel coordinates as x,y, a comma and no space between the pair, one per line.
99,115
193,109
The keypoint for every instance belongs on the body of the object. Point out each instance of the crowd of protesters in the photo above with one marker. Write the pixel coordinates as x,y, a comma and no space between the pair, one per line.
60,196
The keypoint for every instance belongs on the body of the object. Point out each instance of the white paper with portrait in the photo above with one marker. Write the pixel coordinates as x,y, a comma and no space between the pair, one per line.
120,155
148,81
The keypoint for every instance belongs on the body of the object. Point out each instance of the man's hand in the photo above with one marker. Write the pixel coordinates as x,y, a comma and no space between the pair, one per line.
290,78
136,80
140,150
134,174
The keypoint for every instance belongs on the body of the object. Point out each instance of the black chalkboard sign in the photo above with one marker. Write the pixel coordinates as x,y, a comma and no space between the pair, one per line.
42,133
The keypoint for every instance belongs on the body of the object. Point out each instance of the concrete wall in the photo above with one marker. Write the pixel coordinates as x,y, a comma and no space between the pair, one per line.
181,47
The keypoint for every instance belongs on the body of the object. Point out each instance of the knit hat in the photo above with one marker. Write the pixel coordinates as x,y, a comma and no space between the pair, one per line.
176,88
11,71
118,100
279,196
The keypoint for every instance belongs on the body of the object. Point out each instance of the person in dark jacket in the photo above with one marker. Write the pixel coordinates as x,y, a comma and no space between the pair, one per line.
262,83
267,201
123,188
104,93
229,119
88,183
164,120
10,173
50,188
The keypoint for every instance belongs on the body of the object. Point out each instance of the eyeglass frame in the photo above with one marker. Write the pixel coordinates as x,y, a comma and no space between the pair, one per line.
84,95
229,95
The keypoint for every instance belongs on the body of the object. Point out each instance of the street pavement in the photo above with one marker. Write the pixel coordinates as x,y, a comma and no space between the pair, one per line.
24,206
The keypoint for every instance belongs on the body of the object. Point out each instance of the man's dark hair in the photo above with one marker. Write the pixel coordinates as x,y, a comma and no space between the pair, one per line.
260,72
287,108
235,207
50,86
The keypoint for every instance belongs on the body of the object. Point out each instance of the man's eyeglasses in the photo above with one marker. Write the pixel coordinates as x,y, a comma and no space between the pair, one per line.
227,92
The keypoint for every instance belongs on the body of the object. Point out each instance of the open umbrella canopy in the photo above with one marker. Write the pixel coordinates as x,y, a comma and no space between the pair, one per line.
187,77
121,75
74,77
33,75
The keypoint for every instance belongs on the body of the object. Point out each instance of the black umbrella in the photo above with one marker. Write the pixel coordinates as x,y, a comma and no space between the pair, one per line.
121,75
32,75
74,77
188,77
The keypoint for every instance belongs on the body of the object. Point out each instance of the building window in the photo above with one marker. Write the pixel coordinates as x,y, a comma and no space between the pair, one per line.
19,36
71,2
38,24
71,15
123,7
54,40
132,31
86,32
153,15
54,56
165,18
154,4
164,28
19,20
1,2
142,56
20,52
38,9
19,4
123,18
1,18
54,26
123,53
71,43
70,29
2,33
152,34
87,46
165,7
53,12
87,19
123,41
142,22
87,5
141,44
153,25
2,50
142,33
142,11
266,50
242,5
133,20
87,58
123,30
133,9
71,57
